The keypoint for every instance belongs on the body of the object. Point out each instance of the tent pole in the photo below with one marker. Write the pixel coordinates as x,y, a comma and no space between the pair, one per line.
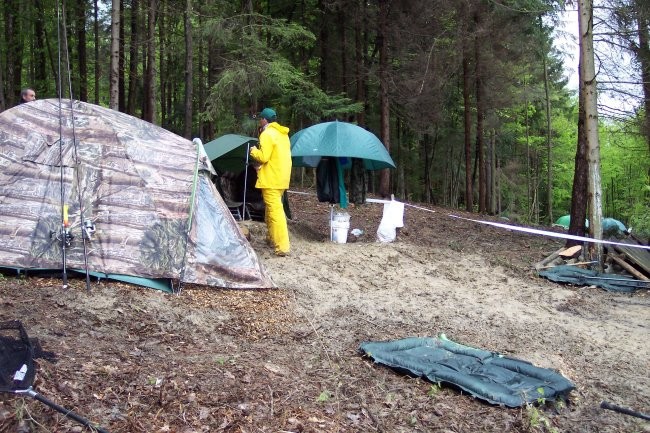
331,217
248,150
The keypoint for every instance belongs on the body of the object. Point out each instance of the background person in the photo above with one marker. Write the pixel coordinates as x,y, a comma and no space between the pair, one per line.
273,176
27,95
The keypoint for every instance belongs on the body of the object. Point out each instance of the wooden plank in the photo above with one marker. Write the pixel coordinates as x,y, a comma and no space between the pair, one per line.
638,256
571,251
625,265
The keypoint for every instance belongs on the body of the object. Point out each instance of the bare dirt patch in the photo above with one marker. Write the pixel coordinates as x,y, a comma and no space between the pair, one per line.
137,360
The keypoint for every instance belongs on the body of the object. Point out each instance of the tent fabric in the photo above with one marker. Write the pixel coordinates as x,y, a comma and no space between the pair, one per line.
588,277
485,375
138,183
228,152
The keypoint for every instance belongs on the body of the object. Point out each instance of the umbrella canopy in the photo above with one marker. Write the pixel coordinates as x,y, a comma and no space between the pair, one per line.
228,152
339,139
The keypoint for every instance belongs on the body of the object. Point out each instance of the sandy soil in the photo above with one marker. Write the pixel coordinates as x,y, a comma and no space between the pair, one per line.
287,360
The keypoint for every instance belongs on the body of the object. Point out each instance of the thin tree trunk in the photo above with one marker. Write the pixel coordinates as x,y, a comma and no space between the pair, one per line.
382,42
189,52
493,173
133,56
40,50
81,49
643,56
324,47
14,44
121,79
480,119
467,121
115,56
344,51
200,77
96,33
588,78
150,77
549,148
358,180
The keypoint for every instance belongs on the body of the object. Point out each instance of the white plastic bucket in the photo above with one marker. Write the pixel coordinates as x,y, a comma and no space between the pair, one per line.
340,224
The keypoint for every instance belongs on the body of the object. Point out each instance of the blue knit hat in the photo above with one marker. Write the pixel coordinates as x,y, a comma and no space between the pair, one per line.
268,114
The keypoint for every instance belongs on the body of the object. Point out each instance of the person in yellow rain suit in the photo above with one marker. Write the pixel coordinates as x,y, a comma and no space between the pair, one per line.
274,155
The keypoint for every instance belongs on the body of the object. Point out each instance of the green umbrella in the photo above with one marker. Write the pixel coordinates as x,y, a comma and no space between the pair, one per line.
338,139
228,152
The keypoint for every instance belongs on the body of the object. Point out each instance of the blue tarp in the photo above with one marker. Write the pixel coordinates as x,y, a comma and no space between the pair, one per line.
486,375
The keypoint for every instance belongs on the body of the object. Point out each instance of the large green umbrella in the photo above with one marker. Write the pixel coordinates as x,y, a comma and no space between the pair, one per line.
338,139
228,152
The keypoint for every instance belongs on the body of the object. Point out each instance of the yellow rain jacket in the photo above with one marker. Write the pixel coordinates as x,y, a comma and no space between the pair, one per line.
274,152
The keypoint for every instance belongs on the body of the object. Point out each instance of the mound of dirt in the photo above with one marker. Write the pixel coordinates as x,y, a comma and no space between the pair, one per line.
136,360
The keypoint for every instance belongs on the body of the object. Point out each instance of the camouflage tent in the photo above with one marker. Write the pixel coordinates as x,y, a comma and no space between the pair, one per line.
140,186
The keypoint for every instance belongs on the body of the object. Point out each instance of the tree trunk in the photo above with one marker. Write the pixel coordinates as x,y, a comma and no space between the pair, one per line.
81,50
382,43
133,56
643,56
358,179
324,47
189,76
342,23
115,56
549,148
588,80
40,51
14,44
480,120
580,174
150,77
96,33
121,80
467,120
493,173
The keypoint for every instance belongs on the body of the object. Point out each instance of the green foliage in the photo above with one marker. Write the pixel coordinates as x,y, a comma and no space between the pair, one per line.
324,397
257,67
434,390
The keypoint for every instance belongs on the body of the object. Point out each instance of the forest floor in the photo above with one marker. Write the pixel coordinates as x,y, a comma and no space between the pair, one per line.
287,360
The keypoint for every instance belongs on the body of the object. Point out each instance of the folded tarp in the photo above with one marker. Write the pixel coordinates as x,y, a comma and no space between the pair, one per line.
588,277
486,375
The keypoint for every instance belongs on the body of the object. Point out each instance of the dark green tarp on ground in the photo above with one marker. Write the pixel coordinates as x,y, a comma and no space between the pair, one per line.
486,375
588,277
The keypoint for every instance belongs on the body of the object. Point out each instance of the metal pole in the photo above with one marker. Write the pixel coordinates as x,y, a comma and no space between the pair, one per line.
248,150
31,393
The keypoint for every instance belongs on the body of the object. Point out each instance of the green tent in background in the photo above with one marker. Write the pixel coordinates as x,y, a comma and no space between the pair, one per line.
565,220
611,226
228,152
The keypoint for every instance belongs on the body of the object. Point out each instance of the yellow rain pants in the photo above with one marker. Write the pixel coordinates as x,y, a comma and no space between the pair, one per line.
276,220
